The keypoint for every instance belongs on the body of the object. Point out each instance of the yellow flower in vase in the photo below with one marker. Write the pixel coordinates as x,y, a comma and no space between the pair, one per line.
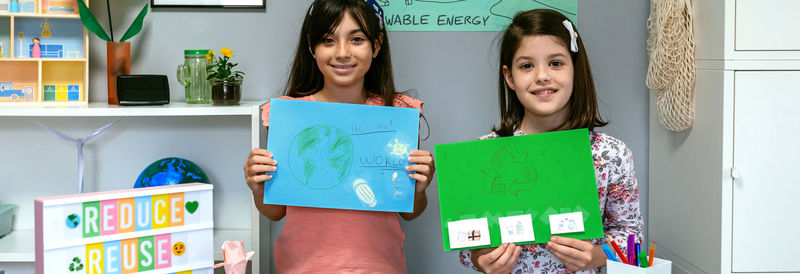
226,52
222,68
225,82
210,56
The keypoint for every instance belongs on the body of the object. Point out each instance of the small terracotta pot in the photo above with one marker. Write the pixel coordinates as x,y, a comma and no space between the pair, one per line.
119,63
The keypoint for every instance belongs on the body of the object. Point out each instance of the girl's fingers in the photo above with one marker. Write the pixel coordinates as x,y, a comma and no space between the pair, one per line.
420,157
492,256
563,249
480,252
418,177
258,169
513,261
580,245
423,165
477,257
419,153
566,254
424,169
256,183
264,160
506,256
260,178
424,160
260,151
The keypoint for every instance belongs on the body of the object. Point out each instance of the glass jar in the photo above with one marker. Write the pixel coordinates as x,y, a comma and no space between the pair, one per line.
192,75
226,92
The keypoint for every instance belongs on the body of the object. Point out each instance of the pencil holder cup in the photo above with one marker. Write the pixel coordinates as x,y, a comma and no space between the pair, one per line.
660,266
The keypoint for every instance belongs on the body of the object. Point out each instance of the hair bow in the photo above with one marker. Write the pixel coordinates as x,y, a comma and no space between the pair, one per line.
573,43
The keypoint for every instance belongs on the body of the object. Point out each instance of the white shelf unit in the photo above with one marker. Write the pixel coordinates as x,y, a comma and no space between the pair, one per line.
17,247
104,109
41,15
723,194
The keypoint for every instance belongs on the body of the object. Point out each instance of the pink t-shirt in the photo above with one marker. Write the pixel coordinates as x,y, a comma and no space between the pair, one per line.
321,240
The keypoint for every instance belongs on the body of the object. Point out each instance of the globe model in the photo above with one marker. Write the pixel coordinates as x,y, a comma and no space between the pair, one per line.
170,171
320,156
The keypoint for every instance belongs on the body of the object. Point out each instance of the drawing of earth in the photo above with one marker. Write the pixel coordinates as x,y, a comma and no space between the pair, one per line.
320,156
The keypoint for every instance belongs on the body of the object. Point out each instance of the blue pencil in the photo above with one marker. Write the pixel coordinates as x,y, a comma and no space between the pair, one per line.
609,253
638,250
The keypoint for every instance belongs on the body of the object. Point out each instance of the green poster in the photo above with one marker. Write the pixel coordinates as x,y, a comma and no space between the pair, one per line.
520,189
464,15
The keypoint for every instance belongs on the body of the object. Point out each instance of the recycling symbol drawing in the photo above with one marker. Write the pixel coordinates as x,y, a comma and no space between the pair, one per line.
76,265
509,160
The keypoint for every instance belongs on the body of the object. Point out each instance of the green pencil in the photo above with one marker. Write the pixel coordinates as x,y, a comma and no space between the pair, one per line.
643,259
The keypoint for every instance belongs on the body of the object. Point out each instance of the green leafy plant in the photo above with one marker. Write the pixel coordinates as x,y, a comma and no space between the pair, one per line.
221,68
90,22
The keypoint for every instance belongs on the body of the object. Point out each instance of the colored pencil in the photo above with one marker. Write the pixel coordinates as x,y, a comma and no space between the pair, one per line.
643,259
632,250
652,253
616,249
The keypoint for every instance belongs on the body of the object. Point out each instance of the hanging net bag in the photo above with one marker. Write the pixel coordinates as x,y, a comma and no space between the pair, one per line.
671,72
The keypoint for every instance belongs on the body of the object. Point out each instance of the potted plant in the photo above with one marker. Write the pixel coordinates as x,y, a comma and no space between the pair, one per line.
118,53
226,84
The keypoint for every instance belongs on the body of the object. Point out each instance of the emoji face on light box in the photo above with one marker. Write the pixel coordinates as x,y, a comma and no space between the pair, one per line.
178,248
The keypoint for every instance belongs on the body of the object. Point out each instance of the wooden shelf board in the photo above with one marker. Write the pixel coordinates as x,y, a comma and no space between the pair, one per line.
79,109
7,59
19,59
40,15
17,246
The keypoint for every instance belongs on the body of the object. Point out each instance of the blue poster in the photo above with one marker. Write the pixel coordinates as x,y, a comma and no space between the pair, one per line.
344,156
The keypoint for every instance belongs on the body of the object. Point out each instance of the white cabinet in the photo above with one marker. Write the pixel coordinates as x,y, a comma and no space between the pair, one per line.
233,130
724,195
767,25
765,151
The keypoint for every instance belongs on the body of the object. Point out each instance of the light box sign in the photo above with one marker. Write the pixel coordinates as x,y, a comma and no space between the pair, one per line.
166,229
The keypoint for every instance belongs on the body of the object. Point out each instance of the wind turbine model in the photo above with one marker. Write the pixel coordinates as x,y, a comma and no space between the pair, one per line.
79,142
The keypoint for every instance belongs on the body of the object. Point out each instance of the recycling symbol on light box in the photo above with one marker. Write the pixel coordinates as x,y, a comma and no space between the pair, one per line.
76,265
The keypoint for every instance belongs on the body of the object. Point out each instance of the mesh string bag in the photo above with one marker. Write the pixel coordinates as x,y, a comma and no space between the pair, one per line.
671,72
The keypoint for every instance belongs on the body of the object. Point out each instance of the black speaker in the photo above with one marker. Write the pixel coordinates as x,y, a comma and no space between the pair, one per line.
141,89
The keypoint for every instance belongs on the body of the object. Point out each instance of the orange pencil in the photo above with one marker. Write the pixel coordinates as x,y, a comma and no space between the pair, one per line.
616,248
652,253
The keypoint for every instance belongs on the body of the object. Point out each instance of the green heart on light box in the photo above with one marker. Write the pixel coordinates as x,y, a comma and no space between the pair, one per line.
192,206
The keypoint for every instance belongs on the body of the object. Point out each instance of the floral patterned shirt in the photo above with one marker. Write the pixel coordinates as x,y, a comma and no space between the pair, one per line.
619,206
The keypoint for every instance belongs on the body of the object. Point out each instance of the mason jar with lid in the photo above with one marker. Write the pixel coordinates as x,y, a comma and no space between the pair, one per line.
192,75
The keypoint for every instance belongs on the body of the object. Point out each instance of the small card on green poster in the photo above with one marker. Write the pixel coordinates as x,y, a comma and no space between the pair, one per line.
520,189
